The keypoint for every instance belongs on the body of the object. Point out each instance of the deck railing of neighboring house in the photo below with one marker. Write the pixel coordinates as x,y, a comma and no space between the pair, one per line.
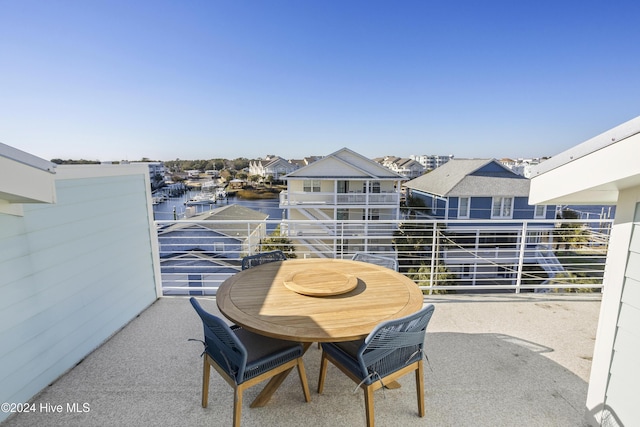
289,198
440,256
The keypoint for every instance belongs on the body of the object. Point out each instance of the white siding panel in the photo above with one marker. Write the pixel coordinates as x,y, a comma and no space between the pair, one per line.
631,295
624,373
71,274
620,402
627,343
629,319
13,273
13,246
633,266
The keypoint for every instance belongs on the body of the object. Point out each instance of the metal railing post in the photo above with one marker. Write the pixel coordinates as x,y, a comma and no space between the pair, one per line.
434,251
523,246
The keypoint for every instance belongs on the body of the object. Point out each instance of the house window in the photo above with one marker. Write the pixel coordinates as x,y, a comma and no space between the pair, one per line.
463,207
374,187
342,214
466,271
502,207
311,186
541,211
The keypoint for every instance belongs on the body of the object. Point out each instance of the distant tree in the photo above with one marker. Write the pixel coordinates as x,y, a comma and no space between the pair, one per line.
75,162
269,180
218,164
173,165
255,178
200,165
240,163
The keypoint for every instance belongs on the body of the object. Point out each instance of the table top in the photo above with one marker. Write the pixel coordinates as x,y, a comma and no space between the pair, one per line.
314,300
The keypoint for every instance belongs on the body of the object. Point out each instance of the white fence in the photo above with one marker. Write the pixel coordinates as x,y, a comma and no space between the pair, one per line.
441,257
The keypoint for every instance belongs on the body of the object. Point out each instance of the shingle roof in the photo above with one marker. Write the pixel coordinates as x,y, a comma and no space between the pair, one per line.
232,212
225,213
471,177
345,163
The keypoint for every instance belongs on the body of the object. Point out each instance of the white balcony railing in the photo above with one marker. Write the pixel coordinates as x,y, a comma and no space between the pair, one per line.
441,257
288,198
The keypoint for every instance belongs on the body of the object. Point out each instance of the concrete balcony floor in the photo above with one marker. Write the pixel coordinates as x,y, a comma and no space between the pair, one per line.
496,360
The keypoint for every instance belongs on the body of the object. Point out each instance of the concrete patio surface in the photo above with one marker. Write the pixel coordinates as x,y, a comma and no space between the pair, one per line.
495,360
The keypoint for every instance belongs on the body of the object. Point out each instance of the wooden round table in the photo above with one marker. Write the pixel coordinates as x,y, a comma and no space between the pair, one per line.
317,299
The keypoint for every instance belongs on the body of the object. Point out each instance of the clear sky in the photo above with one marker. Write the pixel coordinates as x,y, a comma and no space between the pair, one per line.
126,79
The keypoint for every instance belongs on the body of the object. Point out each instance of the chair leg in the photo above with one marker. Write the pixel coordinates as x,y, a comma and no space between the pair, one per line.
323,372
420,388
303,379
237,406
206,369
368,404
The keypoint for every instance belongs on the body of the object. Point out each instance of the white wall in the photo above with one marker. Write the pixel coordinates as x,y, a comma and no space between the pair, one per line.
613,394
73,273
605,170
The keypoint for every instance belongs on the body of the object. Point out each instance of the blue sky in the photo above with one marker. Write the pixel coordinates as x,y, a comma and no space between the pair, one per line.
113,80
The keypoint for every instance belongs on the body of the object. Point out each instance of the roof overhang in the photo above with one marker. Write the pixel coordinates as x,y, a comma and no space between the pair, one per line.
593,172
24,178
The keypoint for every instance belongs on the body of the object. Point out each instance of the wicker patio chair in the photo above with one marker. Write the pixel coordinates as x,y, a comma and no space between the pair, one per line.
376,259
262,258
244,359
392,350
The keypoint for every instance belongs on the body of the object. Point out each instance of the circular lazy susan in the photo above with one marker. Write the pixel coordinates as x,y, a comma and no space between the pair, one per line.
320,282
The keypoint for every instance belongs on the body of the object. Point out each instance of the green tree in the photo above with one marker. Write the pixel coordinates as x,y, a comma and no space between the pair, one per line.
277,242
440,277
569,234
413,241
269,180
255,178
240,163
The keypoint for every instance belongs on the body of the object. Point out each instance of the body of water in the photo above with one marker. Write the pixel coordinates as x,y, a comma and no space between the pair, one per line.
174,208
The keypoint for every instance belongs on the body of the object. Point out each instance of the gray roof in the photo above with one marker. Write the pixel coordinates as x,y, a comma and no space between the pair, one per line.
345,164
471,177
232,212
225,213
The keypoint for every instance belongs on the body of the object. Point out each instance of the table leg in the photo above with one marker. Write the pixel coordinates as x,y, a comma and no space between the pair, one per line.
273,384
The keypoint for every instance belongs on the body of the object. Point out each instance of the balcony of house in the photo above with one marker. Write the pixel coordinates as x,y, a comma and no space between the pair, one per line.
505,355
492,360
296,198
